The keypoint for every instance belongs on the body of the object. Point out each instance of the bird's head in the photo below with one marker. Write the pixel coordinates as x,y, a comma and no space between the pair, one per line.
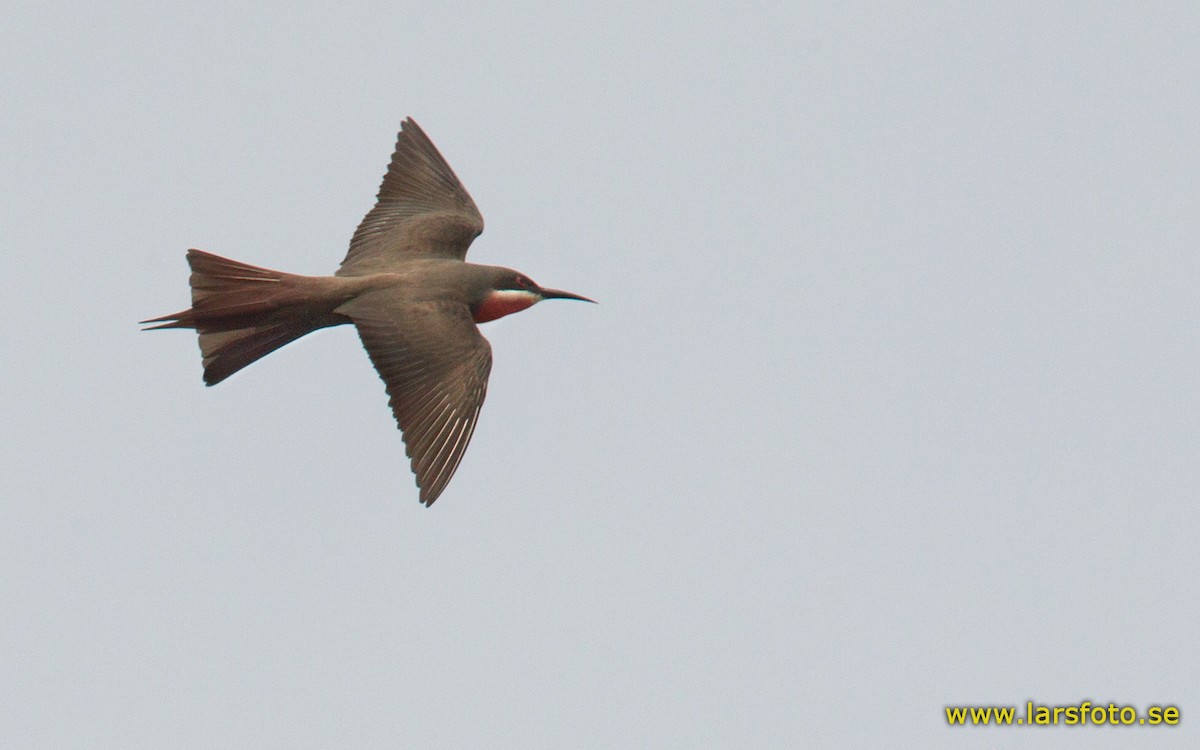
510,291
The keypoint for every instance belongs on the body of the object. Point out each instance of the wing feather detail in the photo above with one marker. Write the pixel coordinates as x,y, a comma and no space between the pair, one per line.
435,365
422,210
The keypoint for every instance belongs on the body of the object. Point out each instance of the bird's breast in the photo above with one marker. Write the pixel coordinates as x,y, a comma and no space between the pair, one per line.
503,302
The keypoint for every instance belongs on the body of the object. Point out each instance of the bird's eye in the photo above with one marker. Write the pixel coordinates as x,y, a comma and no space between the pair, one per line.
523,282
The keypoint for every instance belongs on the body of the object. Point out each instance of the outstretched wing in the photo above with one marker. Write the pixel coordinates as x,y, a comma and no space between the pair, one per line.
422,211
435,364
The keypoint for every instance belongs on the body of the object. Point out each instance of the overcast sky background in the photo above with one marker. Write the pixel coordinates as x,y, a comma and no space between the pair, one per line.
891,401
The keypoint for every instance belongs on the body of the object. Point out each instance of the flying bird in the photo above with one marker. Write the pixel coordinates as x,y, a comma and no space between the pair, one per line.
404,284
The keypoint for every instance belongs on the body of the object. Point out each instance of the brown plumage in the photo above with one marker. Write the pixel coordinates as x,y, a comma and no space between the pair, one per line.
405,287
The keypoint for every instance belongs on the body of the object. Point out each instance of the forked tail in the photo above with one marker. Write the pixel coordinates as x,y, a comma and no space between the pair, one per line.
244,312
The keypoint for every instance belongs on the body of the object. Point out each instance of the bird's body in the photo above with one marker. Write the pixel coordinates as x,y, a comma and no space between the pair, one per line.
407,289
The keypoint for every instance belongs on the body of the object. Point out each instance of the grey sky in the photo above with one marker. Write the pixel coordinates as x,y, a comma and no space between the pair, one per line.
891,400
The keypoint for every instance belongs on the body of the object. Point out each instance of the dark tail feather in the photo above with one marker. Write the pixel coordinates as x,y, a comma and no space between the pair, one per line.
241,312
226,352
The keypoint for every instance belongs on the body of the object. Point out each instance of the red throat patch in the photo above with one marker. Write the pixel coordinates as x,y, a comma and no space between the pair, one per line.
503,302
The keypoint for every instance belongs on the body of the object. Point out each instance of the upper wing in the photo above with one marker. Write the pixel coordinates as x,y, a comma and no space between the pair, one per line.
435,364
422,210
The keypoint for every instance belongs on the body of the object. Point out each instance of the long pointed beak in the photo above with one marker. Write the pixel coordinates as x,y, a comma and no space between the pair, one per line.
559,294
